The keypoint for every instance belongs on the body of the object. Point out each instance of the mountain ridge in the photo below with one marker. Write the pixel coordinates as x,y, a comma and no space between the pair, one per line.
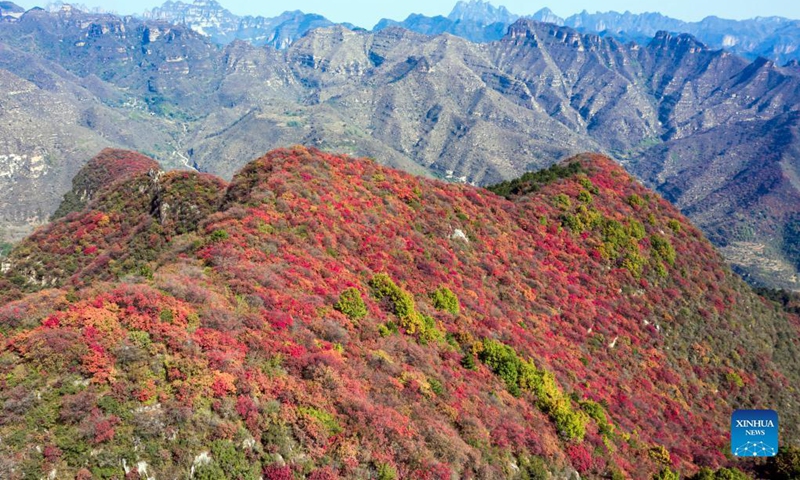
772,37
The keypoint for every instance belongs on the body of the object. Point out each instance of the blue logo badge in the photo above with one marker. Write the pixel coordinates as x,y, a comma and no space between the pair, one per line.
754,433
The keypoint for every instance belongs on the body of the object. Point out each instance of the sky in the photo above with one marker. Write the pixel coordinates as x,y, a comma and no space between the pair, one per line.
366,13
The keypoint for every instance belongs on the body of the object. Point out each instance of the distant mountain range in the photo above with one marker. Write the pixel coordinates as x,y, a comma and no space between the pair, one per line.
775,38
714,133
210,18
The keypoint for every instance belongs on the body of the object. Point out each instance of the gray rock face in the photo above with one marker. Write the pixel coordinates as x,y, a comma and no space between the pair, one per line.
715,133
209,18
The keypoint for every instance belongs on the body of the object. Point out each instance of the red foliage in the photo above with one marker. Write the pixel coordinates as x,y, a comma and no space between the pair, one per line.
237,306
51,453
326,473
276,472
580,458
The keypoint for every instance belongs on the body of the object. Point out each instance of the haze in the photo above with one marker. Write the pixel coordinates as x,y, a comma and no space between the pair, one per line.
366,13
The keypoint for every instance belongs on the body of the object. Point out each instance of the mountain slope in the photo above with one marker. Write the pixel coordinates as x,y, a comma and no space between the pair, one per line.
326,316
51,121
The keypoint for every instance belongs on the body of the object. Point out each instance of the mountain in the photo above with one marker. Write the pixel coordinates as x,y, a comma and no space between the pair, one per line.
482,12
101,171
52,122
474,31
476,20
209,18
10,10
711,131
775,38
328,317
55,7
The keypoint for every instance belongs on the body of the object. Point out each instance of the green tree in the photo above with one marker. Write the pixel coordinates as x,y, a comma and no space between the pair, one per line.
351,304
444,299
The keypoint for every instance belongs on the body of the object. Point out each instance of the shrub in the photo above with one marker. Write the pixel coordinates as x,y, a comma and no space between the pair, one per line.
429,332
219,235
209,471
572,222
401,303
636,229
436,386
587,184
734,379
444,299
502,360
666,474
233,461
277,472
532,468
387,472
706,473
580,457
660,269
674,225
520,375
324,418
635,200
562,201
326,473
634,263
387,329
597,413
660,455
615,238
569,423
351,304
468,362
166,316
662,249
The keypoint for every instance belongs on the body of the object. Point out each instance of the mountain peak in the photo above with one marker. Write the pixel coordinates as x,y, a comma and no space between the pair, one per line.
678,42
481,12
591,164
547,16
210,18
522,28
106,168
311,161
10,8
